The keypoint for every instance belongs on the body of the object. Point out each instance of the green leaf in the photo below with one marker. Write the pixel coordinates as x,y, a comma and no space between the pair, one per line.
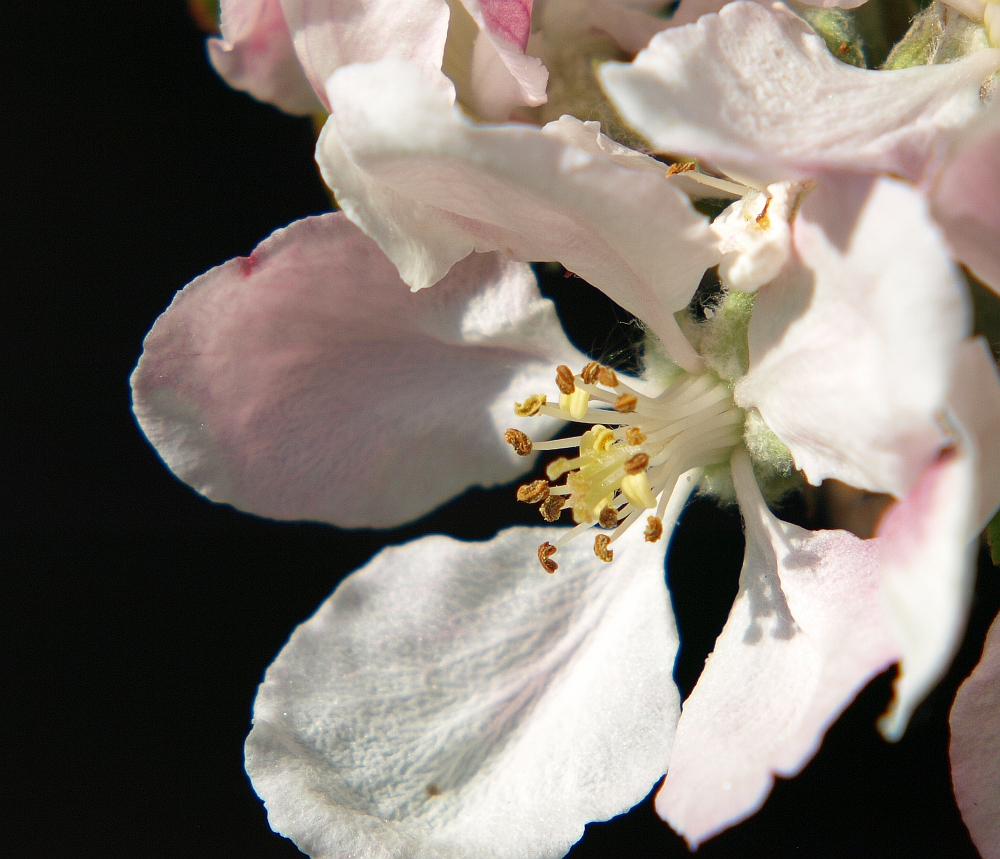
993,539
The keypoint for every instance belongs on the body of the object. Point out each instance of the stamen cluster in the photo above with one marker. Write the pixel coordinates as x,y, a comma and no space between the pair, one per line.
632,456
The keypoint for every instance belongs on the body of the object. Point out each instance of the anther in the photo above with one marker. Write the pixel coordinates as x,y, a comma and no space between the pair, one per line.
545,553
601,549
634,435
531,406
608,518
519,441
635,464
551,507
590,373
654,529
607,377
534,492
680,167
564,379
626,403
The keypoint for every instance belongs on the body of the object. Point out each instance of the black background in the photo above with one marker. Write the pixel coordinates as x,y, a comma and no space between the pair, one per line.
140,618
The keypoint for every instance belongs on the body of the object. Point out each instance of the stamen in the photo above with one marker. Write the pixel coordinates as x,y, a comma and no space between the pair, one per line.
590,372
634,435
607,377
626,403
545,553
608,517
654,529
601,549
531,406
534,492
575,403
519,441
637,463
551,507
564,379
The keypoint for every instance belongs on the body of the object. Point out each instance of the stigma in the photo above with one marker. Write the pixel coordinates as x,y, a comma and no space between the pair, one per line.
634,451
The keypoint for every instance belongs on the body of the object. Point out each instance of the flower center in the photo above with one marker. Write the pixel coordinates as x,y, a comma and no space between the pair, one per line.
632,456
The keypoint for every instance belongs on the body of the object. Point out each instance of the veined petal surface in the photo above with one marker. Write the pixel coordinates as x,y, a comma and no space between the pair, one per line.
255,55
453,700
755,92
852,347
805,634
430,187
975,748
307,382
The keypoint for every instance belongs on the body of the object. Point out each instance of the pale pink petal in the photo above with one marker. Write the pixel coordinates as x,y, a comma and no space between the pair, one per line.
852,347
757,93
927,568
965,200
508,19
503,78
255,55
307,382
690,11
429,186
804,636
452,700
631,28
975,748
328,34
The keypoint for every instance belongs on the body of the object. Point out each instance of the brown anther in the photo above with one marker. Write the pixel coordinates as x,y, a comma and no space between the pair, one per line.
534,492
601,549
634,435
530,407
680,167
607,377
552,506
637,463
654,529
564,379
626,403
545,553
519,441
590,373
608,517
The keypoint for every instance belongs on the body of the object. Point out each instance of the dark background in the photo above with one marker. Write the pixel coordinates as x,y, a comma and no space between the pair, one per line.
140,618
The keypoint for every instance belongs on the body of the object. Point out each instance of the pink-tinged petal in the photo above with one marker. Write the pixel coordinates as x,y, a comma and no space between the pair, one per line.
503,78
430,186
508,19
255,55
757,93
975,748
805,634
307,382
927,570
965,200
852,347
328,34
452,700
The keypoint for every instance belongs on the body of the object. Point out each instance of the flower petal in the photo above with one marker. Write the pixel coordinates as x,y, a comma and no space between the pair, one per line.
805,634
430,187
757,93
928,539
965,200
329,34
503,77
255,55
975,748
452,700
306,382
853,346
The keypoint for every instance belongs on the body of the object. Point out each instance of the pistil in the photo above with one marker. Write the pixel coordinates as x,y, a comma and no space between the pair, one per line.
631,457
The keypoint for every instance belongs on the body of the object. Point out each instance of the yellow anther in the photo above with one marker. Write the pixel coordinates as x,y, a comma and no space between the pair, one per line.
530,407
597,438
519,441
654,529
576,403
545,553
564,379
534,492
558,467
635,487
601,549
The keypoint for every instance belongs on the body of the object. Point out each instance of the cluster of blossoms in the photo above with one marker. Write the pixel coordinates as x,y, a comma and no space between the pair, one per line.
362,367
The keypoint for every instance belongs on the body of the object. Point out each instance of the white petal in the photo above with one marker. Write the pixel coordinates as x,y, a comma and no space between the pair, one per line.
975,748
307,382
755,92
503,77
853,346
805,634
430,187
453,700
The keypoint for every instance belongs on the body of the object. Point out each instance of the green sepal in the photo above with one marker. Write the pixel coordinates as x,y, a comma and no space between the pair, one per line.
939,34
993,539
839,30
